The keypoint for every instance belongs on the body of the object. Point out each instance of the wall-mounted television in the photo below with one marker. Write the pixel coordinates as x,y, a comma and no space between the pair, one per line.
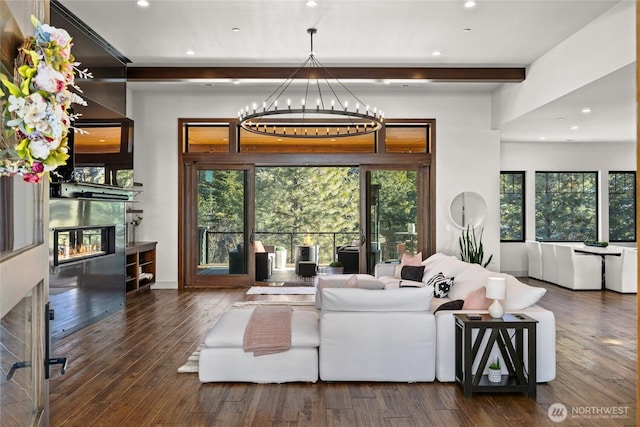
103,151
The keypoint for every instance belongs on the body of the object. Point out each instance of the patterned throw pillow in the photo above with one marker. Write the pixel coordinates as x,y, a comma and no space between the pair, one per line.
441,285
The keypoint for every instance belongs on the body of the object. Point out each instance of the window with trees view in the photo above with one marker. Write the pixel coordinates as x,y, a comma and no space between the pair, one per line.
566,206
512,206
622,206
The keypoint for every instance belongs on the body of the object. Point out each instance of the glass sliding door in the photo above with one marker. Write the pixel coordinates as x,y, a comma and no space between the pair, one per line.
309,207
224,252
391,215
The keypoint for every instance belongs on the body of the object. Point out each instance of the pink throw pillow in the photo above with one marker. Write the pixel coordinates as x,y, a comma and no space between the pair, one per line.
408,259
477,300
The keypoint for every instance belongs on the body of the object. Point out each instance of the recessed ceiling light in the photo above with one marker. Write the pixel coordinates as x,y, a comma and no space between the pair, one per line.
586,110
236,82
311,3
190,52
560,118
436,53
235,29
469,4
575,127
542,138
143,3
466,30
569,140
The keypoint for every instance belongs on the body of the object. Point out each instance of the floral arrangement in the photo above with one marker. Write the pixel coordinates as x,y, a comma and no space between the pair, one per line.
136,221
35,106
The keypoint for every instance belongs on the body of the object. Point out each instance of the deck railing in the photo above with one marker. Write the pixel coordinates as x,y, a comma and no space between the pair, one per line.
214,246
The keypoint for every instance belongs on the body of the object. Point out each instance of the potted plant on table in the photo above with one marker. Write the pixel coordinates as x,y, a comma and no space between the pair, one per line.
495,374
336,267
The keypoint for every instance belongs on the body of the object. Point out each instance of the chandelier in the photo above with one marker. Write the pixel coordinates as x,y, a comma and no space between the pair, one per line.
328,109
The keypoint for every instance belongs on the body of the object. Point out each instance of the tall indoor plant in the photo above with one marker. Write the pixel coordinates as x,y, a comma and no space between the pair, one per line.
471,248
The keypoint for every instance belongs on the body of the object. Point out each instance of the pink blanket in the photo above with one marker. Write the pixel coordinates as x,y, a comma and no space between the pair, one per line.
268,330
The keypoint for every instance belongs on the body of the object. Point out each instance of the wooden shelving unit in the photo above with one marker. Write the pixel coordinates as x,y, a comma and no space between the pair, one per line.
141,266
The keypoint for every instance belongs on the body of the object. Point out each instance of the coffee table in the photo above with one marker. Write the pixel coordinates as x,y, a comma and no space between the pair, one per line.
521,376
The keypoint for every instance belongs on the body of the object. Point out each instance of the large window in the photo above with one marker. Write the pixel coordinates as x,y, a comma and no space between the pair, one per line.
512,206
622,206
566,206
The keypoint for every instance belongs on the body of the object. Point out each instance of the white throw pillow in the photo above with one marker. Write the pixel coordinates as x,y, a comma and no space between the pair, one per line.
520,295
472,278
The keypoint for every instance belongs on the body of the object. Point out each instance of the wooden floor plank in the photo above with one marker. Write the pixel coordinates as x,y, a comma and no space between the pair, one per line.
122,372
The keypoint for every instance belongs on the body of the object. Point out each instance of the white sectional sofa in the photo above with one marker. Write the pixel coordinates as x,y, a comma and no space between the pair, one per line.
377,335
520,298
371,329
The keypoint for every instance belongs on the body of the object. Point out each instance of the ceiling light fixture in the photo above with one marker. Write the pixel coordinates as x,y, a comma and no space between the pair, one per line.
190,52
575,127
324,110
143,3
436,53
586,110
235,29
469,4
311,3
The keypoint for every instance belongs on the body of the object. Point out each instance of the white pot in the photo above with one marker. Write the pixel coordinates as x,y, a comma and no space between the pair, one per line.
495,375
281,259
335,270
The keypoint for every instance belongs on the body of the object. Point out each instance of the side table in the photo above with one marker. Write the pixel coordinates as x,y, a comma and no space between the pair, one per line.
521,377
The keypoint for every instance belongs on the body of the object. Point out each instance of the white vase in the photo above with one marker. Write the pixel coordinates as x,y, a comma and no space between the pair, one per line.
495,375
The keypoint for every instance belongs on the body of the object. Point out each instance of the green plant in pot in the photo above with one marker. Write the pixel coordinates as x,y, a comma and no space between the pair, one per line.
336,267
471,248
495,375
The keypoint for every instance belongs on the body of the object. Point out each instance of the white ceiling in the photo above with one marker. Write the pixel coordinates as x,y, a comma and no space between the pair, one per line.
399,33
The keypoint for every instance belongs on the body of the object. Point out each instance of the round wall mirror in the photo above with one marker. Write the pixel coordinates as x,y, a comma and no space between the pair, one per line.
468,208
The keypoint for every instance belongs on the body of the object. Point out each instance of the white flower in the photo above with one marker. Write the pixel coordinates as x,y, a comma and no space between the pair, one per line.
39,149
48,79
34,110
60,36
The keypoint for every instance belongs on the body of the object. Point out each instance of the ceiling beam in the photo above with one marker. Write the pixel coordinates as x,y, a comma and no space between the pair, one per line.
434,74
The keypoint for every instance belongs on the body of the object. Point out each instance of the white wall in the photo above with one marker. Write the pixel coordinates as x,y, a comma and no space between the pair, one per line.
468,155
547,156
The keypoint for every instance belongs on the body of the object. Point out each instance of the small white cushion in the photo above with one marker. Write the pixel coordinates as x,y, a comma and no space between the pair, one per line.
228,331
520,295
403,299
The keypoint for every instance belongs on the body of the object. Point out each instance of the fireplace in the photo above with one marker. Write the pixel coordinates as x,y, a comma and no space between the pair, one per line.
86,255
81,243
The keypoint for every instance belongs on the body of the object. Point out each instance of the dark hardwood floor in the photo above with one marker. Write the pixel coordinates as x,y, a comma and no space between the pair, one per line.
122,372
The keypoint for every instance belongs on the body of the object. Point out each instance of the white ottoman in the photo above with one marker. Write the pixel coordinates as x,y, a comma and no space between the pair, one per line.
222,358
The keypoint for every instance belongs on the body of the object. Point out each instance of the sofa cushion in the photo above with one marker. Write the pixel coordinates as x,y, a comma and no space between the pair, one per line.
441,285
472,278
477,300
520,295
450,305
408,260
228,331
403,299
412,272
351,282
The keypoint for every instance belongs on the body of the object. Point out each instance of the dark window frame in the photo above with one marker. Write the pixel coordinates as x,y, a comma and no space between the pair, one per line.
524,205
635,204
597,199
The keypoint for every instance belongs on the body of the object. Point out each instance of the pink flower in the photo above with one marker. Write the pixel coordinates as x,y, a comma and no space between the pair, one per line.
37,167
31,178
